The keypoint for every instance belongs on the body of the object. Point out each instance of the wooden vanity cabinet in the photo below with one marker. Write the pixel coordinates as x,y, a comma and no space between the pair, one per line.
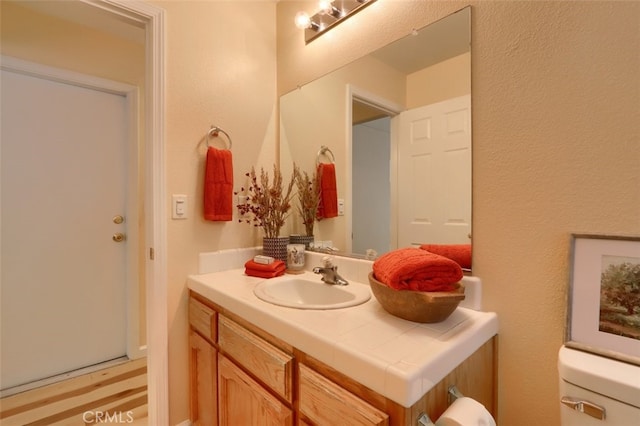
203,364
236,376
241,375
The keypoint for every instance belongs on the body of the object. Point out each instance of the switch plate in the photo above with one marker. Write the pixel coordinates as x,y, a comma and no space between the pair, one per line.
340,206
179,206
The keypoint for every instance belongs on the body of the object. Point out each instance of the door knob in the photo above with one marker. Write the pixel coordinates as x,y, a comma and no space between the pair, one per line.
118,237
118,219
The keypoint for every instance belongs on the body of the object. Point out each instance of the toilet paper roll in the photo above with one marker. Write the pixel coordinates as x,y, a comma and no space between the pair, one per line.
466,412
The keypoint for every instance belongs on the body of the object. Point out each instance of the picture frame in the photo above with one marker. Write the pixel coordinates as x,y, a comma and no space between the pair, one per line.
603,315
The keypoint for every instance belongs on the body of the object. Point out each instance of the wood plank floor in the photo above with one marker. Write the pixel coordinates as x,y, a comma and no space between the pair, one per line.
114,395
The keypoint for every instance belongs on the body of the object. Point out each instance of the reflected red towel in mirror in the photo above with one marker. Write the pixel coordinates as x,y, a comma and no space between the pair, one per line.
328,206
218,185
460,253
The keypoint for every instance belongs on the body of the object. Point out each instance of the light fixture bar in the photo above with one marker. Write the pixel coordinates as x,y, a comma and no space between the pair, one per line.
322,21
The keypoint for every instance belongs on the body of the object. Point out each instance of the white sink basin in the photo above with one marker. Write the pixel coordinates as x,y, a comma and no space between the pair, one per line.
303,292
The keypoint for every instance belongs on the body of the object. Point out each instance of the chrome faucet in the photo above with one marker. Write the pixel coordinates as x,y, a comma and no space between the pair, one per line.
329,273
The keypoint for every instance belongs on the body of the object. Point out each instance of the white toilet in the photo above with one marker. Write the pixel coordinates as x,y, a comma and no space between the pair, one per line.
597,391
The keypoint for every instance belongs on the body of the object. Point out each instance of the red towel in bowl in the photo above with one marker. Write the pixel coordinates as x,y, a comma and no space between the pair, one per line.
418,270
218,185
460,253
328,206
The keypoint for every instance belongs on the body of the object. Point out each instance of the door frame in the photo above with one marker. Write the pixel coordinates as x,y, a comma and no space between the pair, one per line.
152,19
392,110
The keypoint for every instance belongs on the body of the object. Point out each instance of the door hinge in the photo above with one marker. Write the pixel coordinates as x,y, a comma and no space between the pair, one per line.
151,253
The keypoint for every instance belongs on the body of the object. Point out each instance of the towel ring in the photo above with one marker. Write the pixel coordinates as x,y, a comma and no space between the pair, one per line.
324,150
214,132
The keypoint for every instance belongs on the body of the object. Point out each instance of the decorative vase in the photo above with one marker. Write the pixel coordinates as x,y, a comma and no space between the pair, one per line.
301,239
295,258
275,247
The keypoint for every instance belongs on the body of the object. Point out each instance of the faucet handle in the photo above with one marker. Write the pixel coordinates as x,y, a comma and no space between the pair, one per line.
327,261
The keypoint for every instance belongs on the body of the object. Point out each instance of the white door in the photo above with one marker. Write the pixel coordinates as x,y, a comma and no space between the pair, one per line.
63,174
434,174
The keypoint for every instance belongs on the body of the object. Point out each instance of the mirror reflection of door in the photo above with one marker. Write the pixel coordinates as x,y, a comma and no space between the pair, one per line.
434,174
370,163
431,186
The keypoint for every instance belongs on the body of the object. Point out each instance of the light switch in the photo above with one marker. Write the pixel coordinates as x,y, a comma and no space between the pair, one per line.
179,206
340,206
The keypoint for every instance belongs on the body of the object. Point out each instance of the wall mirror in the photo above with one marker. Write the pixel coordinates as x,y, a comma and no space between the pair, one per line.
398,122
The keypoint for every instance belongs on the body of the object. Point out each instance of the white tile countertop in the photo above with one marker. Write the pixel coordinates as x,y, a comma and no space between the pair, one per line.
399,359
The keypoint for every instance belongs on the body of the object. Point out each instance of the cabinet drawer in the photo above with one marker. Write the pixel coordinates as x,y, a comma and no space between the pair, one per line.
203,319
266,362
323,402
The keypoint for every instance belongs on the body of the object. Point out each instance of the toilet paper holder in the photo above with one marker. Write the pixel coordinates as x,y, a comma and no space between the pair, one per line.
452,394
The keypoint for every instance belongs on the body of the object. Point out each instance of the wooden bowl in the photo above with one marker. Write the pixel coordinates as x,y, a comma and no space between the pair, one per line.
417,306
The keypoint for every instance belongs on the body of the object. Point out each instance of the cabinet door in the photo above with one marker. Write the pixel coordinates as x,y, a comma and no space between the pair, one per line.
242,401
264,361
202,375
325,403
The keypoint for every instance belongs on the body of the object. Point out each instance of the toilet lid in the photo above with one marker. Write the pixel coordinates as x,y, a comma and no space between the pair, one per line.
614,379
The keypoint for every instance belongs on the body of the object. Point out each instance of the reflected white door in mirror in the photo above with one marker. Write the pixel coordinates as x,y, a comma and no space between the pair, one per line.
434,173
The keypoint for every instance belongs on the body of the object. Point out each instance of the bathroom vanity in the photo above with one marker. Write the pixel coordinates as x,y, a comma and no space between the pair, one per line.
255,362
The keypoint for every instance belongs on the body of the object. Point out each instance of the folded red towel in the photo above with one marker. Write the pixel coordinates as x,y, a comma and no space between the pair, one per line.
263,274
459,253
272,270
276,265
328,206
218,185
418,270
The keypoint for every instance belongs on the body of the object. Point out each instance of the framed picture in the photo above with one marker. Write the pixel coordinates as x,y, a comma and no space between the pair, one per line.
603,314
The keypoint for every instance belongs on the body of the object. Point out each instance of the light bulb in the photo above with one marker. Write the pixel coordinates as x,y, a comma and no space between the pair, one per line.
326,6
302,20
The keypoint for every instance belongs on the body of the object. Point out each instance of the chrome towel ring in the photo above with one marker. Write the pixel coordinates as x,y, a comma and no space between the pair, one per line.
326,152
214,132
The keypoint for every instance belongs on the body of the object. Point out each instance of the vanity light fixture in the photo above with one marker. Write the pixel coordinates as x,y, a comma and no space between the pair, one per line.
330,14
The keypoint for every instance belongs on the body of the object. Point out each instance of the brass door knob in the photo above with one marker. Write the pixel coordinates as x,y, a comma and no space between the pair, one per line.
118,237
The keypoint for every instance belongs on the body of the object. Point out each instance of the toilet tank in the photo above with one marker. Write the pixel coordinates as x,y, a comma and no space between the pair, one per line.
597,391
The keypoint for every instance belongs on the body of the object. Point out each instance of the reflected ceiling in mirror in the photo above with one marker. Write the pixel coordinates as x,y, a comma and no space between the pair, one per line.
372,113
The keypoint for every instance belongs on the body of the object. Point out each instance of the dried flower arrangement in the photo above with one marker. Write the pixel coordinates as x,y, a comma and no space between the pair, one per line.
267,201
308,198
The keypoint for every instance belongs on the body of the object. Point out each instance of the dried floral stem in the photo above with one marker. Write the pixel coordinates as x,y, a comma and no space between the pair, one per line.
308,198
268,202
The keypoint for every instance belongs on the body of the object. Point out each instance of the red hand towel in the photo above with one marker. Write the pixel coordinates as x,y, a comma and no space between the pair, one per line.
218,185
418,270
459,253
274,269
328,206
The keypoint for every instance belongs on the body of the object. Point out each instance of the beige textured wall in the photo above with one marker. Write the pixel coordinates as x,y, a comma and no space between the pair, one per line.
425,87
556,134
220,69
43,39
